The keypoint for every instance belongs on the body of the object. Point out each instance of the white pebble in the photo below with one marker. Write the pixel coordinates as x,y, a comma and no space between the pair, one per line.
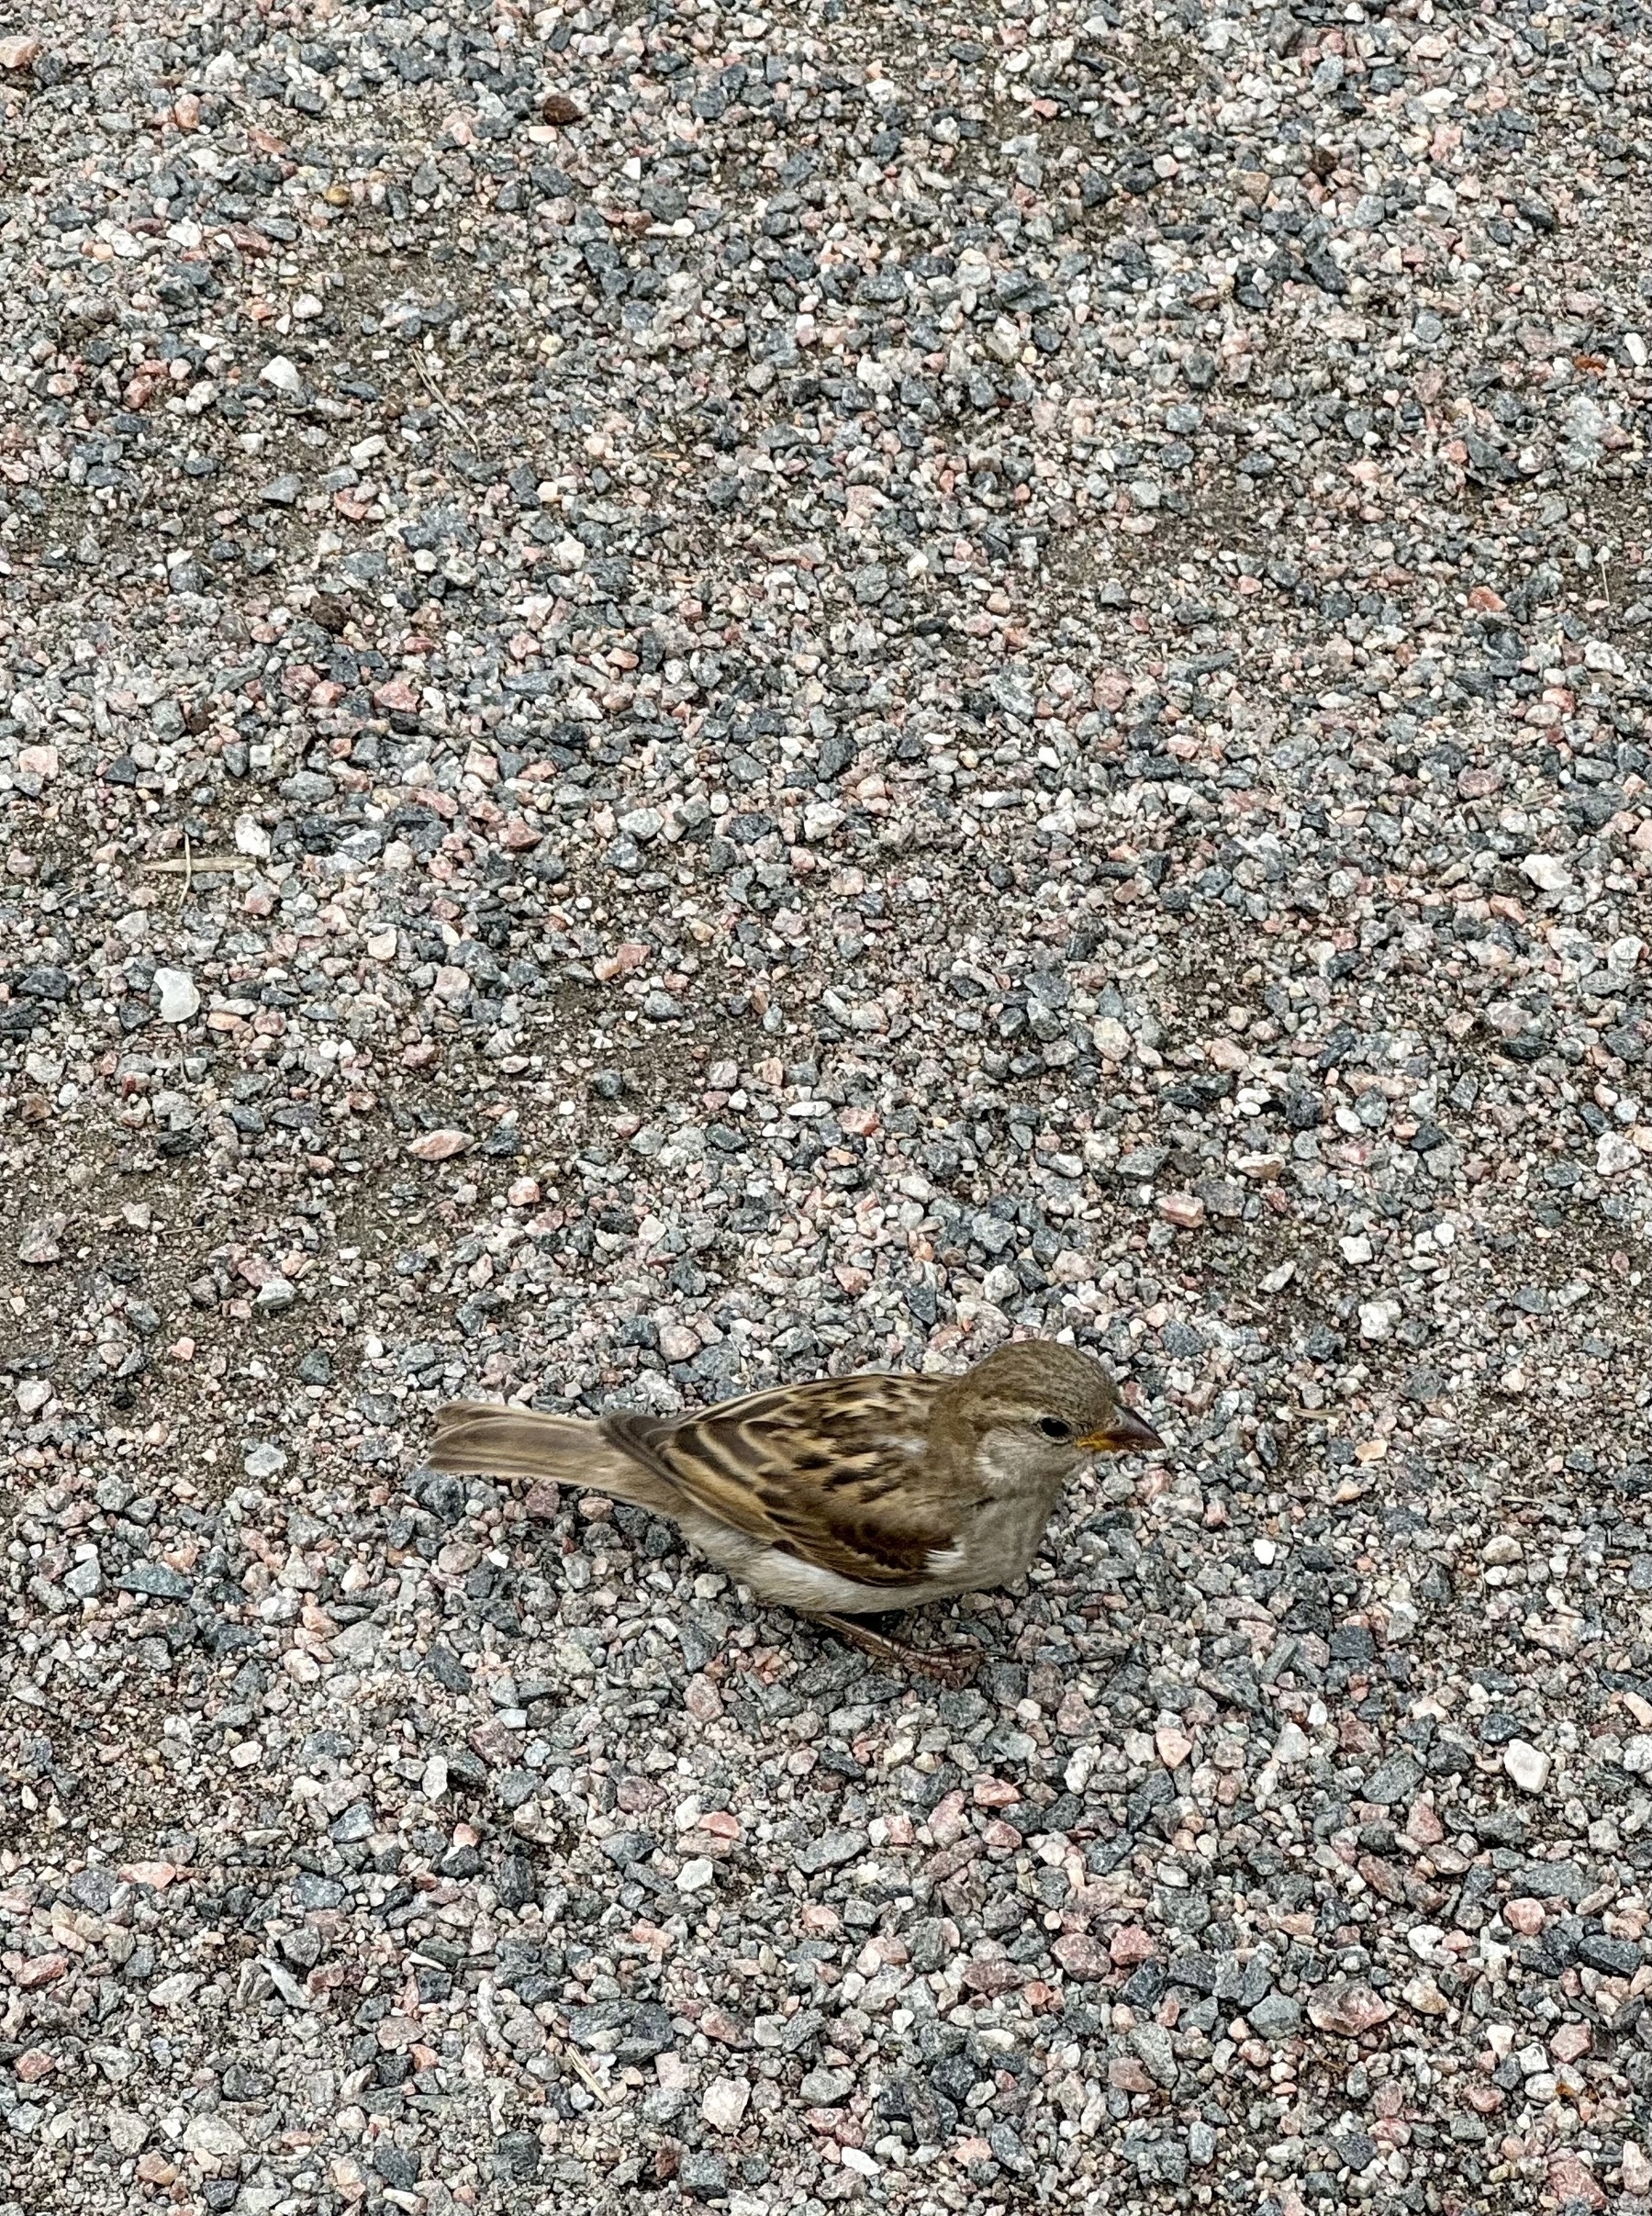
1546,873
1377,1318
725,2102
281,374
1615,1152
180,1001
1528,1765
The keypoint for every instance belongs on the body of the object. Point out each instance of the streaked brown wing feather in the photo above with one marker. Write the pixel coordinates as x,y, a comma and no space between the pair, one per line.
820,1470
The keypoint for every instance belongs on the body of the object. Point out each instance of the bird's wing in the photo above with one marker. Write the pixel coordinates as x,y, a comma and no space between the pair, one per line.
837,1474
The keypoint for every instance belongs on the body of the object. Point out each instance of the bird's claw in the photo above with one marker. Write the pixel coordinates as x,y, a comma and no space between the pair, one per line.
949,1666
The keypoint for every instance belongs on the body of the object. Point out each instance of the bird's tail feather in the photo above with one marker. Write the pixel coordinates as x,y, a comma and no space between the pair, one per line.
484,1438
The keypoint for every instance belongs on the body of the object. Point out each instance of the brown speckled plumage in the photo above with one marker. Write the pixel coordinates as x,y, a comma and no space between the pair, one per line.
847,1495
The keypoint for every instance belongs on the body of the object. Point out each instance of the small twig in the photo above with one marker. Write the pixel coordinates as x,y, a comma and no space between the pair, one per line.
454,418
203,863
188,867
587,2075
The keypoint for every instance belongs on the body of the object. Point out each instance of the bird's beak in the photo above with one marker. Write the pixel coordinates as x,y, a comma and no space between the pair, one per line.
1127,1434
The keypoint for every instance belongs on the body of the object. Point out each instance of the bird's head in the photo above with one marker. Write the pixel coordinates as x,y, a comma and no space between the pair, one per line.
1045,1406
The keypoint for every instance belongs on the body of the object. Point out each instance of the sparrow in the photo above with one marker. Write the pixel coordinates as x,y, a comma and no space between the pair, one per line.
847,1496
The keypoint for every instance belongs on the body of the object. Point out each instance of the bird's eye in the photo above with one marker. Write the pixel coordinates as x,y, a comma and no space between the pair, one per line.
1053,1427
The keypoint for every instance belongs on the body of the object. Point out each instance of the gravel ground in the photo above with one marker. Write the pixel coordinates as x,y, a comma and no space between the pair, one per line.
690,697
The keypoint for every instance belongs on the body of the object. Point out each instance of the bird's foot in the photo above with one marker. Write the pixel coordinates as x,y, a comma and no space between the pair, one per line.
949,1666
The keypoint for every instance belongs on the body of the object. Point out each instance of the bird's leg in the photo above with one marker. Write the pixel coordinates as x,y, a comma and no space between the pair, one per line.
953,1668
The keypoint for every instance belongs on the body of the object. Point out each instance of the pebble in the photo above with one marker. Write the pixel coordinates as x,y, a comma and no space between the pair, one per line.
1347,2009
1080,1956
1174,1747
1547,874
180,998
42,1242
1528,1766
214,2136
85,1580
1185,1210
440,1145
1379,1318
725,2102
283,375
